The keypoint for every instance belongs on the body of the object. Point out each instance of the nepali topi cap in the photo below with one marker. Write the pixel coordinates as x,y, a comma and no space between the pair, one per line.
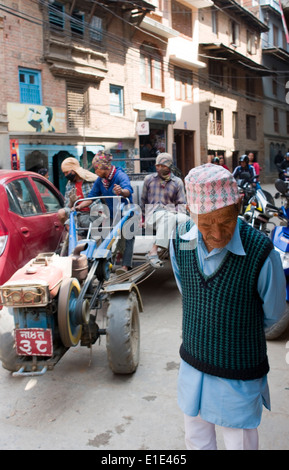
102,160
210,187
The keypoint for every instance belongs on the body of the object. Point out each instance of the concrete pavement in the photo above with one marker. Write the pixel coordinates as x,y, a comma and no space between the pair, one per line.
82,405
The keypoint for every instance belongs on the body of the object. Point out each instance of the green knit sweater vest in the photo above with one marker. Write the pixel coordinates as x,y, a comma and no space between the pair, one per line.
223,332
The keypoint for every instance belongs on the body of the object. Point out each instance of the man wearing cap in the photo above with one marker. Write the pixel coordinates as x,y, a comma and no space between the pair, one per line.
112,181
163,202
79,184
232,286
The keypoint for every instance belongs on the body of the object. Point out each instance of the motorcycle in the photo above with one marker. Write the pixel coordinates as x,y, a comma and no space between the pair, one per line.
260,210
246,190
257,204
280,239
258,213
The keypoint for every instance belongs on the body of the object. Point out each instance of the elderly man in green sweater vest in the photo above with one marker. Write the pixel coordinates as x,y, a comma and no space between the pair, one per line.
232,285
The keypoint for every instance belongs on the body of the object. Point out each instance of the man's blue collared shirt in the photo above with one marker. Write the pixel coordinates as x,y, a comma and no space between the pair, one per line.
226,402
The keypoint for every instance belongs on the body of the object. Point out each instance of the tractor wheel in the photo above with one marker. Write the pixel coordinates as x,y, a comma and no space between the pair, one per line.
123,333
69,331
276,330
8,354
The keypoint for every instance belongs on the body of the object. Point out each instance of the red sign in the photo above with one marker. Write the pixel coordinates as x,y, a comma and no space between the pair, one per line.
33,342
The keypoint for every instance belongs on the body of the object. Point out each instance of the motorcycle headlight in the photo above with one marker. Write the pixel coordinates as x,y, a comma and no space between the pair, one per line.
248,216
270,213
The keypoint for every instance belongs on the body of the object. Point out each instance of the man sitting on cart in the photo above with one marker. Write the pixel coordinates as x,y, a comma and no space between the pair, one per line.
79,184
163,204
112,181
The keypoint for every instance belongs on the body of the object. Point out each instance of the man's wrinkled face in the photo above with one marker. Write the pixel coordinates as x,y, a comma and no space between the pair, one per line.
217,228
99,171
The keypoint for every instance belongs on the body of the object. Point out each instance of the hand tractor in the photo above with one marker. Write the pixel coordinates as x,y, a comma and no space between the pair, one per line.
51,305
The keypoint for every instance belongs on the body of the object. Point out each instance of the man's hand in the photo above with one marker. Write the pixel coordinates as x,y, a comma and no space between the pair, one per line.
83,204
118,190
72,199
121,192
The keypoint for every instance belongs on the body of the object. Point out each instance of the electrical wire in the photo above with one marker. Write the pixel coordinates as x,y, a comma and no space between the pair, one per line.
212,80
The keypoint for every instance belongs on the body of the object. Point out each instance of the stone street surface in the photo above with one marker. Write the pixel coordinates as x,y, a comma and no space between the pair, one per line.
81,405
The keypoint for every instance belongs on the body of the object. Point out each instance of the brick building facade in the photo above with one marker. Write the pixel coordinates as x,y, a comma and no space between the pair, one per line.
231,108
133,78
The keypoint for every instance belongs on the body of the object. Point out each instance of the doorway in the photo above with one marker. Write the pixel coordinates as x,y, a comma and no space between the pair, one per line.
185,150
35,160
59,179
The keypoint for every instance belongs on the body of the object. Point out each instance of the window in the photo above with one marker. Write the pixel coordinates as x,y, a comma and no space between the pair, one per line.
95,29
235,125
234,33
214,21
50,201
216,72
276,119
183,84
250,86
77,106
116,99
151,67
250,127
274,83
216,121
252,43
182,18
56,15
275,35
22,199
77,23
234,79
30,86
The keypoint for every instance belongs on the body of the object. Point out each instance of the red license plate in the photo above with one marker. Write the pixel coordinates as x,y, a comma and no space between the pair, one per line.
33,342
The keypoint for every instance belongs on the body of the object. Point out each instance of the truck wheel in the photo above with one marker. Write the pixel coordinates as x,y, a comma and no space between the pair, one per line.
274,331
8,354
123,333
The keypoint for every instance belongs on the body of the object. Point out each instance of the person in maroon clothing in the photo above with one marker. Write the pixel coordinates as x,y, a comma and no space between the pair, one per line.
222,162
79,184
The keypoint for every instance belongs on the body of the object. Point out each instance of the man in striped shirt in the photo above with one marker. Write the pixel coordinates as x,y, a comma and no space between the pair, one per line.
163,204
